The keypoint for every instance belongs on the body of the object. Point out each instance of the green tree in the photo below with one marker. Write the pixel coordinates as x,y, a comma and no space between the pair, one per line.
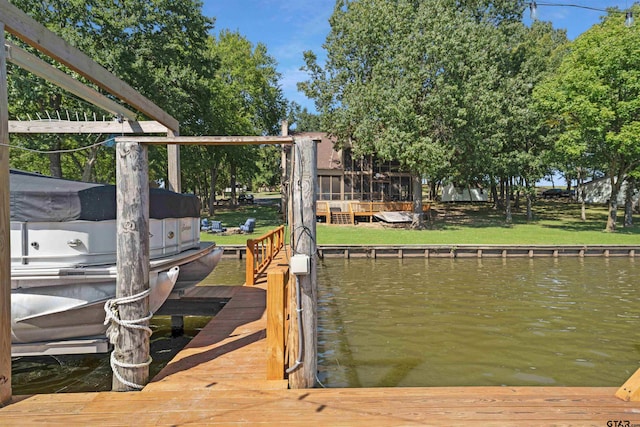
157,46
302,120
593,102
246,99
416,82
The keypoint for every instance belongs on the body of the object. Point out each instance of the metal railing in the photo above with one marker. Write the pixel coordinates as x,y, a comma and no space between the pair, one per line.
261,251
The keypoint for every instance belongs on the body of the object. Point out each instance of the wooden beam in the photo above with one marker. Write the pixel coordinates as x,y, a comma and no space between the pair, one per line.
89,127
131,345
209,140
630,390
33,33
5,244
37,66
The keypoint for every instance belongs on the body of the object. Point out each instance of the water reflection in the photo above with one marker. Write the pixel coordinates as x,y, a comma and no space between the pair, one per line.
446,322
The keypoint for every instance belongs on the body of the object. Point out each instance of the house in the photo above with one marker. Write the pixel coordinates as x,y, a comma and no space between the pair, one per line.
599,191
344,177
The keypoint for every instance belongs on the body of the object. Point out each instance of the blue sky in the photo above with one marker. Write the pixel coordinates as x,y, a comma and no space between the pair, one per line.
290,27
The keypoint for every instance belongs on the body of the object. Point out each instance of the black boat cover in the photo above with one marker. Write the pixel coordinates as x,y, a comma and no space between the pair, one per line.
39,198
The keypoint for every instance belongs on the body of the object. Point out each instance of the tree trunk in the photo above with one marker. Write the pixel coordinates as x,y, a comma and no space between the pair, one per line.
55,162
417,221
234,197
613,204
494,195
529,200
583,203
212,189
507,193
88,166
628,202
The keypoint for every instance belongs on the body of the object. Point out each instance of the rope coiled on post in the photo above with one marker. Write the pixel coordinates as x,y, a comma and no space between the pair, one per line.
112,316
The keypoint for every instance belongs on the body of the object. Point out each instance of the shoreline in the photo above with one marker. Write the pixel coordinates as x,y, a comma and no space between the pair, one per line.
460,251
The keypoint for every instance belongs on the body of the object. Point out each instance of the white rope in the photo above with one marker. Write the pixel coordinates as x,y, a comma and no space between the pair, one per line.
114,367
112,316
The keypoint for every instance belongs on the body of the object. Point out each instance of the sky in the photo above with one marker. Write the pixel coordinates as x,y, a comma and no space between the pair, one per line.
290,27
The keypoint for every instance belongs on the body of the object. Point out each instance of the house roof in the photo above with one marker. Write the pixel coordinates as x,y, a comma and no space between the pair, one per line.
328,157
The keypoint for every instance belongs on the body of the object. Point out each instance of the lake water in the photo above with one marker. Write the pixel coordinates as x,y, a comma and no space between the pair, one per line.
434,322
450,322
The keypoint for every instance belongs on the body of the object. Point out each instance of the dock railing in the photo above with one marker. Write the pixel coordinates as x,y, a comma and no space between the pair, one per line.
261,251
278,317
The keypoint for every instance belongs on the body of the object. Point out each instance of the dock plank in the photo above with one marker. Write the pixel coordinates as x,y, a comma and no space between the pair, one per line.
384,406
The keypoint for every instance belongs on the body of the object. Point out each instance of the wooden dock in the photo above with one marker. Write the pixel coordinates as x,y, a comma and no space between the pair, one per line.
220,379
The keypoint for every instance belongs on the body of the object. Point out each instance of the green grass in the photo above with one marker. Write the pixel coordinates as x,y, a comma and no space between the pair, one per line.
267,218
555,223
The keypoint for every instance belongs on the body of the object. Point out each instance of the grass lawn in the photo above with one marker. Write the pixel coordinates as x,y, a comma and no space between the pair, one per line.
556,222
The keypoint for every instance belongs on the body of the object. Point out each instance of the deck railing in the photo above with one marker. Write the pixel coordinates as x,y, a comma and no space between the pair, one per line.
261,251
278,317
370,208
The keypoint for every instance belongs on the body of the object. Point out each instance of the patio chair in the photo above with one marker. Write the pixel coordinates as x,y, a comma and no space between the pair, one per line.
216,227
248,226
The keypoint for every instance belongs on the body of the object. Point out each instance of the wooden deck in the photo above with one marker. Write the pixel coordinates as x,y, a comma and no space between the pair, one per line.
450,406
220,379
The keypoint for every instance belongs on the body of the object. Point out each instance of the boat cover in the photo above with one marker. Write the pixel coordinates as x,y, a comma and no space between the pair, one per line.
39,198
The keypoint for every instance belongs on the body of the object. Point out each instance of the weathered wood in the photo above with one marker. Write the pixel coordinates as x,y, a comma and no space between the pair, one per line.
76,127
5,244
209,140
173,168
33,33
303,238
175,184
630,390
35,65
173,164
276,305
132,196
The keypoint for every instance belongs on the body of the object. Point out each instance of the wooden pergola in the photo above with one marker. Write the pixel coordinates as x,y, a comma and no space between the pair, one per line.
132,149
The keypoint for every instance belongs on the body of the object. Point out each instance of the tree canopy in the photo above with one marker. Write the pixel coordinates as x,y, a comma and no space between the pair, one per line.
444,87
165,49
592,102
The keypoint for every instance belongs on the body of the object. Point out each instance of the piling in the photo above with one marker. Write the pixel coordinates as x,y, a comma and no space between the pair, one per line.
303,241
5,244
131,344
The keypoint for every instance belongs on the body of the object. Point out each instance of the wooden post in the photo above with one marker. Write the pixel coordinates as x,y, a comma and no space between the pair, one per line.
303,241
250,264
284,173
5,246
275,322
175,184
173,154
132,196
173,164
